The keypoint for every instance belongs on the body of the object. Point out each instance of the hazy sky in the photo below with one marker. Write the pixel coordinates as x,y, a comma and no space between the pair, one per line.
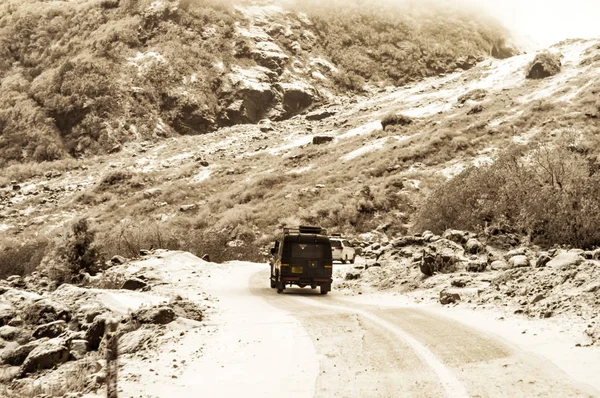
548,21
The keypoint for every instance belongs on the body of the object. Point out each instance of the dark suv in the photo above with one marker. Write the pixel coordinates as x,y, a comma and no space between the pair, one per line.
302,256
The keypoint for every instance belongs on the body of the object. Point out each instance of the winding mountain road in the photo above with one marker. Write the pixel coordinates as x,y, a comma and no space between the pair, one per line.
301,344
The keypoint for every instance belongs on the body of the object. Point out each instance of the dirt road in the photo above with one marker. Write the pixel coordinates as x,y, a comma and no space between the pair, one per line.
302,344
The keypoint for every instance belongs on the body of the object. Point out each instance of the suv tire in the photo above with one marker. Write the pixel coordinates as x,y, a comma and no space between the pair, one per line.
324,289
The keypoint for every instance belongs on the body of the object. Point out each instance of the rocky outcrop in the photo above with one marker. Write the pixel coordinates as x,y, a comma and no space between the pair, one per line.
16,356
52,329
544,65
297,96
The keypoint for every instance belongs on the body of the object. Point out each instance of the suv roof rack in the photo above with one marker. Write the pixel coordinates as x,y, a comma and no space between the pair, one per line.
337,235
305,229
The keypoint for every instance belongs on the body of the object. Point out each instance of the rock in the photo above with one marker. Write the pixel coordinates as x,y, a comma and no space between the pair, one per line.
115,149
13,333
538,298
118,260
7,313
321,139
206,258
16,321
460,282
350,276
498,265
448,298
52,329
269,55
543,259
473,95
474,246
565,259
46,355
156,315
187,309
476,265
79,348
544,65
185,208
95,333
515,252
16,357
519,261
251,93
319,115
456,236
134,284
475,110
296,97
144,252
152,193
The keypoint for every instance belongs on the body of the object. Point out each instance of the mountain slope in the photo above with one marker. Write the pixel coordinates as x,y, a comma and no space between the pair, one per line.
81,78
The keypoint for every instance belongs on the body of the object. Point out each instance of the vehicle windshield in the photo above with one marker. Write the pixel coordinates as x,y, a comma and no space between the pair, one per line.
310,250
336,243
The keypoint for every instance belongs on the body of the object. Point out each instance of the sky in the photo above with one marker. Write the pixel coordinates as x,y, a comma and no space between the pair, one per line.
548,21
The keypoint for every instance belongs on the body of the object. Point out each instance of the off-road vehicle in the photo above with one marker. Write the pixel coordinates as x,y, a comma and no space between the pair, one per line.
302,257
341,249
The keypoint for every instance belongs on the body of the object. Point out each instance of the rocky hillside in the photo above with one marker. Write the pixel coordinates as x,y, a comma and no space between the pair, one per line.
82,78
335,166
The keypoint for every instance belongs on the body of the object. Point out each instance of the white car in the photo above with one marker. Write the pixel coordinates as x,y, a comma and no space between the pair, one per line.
342,250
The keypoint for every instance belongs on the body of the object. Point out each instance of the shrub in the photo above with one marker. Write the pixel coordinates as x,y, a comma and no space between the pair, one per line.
73,254
546,191
395,120
21,257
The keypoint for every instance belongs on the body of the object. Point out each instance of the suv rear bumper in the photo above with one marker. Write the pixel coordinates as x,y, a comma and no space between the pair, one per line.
307,281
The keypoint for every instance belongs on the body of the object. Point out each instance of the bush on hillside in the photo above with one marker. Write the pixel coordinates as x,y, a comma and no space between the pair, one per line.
73,254
395,120
547,191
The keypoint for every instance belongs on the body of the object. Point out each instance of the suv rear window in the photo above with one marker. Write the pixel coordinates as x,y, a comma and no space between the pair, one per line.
347,244
310,250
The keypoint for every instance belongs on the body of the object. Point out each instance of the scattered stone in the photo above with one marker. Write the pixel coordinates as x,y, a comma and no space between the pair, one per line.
544,65
7,313
185,208
152,193
320,115
460,282
476,265
144,252
321,139
456,236
538,298
116,260
134,284
350,276
206,257
499,265
51,330
543,260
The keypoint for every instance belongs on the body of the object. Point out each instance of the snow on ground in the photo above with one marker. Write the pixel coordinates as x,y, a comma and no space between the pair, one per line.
364,129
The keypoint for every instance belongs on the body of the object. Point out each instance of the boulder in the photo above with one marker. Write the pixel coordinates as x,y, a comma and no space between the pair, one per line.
521,251
476,265
79,348
189,207
519,261
565,259
297,96
134,284
45,356
352,276
95,332
448,297
460,282
46,311
251,95
473,246
156,315
7,313
543,259
16,356
13,333
544,65
52,329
